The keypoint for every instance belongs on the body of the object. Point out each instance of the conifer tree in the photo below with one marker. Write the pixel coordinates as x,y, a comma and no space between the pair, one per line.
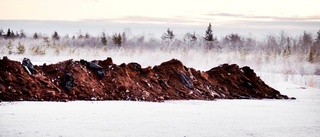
124,38
22,34
9,33
55,36
35,36
318,38
87,35
209,35
117,40
1,32
168,35
104,39
12,34
306,39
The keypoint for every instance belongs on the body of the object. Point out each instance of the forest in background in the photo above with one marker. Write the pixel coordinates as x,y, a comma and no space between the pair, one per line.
277,53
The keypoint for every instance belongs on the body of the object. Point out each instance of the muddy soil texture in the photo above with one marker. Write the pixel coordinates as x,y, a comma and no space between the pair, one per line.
104,80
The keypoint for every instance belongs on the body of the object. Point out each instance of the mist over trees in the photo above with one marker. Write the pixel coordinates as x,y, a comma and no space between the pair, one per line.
306,46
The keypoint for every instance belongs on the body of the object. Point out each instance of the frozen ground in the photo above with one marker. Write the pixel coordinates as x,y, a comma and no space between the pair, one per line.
262,118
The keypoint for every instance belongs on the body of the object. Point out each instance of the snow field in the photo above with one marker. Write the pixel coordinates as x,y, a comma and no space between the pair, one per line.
261,118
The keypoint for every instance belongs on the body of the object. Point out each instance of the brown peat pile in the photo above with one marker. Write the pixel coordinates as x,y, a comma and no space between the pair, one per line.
104,80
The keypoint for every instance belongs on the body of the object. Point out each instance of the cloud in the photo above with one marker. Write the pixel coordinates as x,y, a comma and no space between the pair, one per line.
239,22
250,16
155,20
275,24
215,18
250,20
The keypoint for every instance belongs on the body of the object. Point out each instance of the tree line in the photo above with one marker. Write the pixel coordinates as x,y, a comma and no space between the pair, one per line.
279,44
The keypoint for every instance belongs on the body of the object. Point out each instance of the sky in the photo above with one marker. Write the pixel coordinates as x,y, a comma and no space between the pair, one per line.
227,16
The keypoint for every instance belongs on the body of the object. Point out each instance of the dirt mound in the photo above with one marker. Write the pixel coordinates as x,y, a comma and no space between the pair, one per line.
103,80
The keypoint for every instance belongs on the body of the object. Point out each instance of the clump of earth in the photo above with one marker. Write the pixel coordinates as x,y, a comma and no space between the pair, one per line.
104,80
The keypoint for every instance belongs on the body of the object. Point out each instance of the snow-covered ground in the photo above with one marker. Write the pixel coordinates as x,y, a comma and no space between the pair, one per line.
263,118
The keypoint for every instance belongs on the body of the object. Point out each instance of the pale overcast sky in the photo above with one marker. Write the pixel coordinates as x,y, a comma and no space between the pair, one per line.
240,14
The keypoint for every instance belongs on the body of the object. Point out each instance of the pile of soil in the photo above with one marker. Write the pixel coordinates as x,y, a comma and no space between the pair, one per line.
104,80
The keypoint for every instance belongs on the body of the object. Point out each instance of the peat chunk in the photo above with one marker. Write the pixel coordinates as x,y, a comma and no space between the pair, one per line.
185,80
68,81
108,61
135,66
94,67
28,66
97,68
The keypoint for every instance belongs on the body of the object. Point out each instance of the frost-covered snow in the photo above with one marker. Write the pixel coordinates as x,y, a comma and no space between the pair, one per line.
263,118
